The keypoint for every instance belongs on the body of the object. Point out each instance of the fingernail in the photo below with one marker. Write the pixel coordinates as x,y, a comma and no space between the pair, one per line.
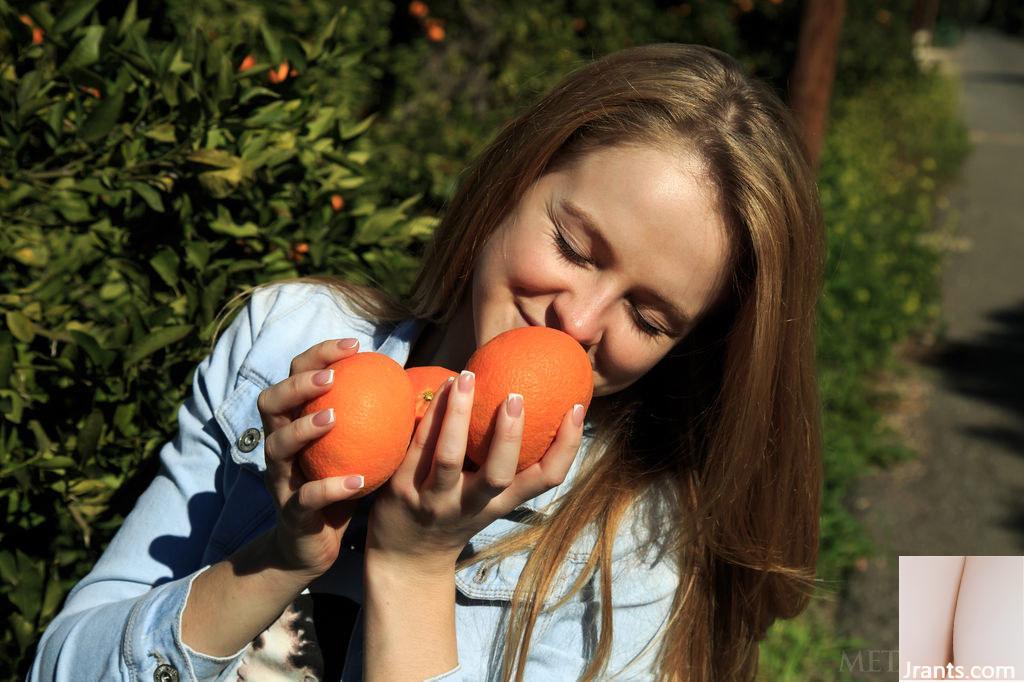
347,344
577,414
324,417
324,377
353,482
466,380
514,405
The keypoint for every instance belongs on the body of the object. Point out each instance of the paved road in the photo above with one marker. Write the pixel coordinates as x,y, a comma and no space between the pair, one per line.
965,493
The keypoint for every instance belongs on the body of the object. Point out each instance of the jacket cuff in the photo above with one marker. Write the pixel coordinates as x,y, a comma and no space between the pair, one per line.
452,674
149,643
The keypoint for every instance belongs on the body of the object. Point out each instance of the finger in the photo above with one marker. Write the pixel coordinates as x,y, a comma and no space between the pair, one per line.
322,354
425,436
304,507
281,403
499,469
279,451
552,468
450,448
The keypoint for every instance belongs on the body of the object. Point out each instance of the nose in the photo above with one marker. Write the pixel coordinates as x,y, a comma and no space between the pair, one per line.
580,317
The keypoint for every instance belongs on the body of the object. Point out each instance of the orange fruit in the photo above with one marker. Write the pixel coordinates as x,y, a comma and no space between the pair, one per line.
426,382
435,30
418,9
279,74
547,367
373,420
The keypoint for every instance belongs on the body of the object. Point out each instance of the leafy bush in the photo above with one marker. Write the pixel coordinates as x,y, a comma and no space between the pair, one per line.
146,177
144,182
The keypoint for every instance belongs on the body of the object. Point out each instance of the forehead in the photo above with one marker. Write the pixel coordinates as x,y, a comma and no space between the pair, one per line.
658,213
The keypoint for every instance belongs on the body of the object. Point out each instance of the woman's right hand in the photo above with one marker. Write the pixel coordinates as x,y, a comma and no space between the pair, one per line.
312,515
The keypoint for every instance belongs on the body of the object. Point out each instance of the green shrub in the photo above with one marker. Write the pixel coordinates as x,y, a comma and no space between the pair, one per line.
128,220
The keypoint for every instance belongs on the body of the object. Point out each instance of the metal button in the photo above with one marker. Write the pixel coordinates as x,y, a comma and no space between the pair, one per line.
248,441
165,673
481,575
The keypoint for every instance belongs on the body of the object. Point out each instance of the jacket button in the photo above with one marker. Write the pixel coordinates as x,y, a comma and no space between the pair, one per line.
248,441
481,575
165,673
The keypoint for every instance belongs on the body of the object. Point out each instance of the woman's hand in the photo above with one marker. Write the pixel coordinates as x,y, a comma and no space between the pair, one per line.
312,515
431,508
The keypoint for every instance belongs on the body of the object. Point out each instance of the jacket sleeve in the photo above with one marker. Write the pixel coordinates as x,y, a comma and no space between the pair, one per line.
123,619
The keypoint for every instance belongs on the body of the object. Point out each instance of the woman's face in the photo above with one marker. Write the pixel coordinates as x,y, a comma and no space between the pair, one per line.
658,243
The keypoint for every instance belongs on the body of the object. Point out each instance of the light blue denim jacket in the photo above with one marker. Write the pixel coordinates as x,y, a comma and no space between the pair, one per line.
123,619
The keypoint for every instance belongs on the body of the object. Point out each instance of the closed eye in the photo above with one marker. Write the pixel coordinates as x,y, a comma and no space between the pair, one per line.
569,254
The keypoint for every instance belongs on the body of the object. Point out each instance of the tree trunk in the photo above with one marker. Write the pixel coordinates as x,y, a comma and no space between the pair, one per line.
811,81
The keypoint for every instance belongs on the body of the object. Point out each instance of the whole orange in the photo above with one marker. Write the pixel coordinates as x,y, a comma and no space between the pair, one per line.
547,367
373,420
426,382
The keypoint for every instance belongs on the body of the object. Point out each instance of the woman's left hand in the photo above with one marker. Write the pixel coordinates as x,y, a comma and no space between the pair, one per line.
430,508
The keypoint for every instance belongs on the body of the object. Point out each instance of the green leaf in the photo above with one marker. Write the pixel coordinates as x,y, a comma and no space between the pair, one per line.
87,51
89,436
214,157
73,15
225,225
197,254
348,132
155,341
319,125
163,132
150,195
6,362
8,568
102,118
165,262
272,43
22,327
58,462
99,355
377,225
178,64
257,91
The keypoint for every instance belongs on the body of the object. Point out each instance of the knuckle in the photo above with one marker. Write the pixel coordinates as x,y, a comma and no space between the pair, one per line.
497,482
447,464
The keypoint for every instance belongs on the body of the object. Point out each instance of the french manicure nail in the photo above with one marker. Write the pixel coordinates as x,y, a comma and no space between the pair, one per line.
466,381
514,405
324,417
353,482
347,344
577,414
323,377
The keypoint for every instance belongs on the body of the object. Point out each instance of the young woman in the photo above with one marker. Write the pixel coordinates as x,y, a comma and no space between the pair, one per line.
656,205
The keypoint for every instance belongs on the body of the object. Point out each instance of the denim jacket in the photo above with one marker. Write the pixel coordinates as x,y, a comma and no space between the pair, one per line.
208,499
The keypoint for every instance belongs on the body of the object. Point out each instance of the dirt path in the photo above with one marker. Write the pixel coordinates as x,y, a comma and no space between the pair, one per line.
964,399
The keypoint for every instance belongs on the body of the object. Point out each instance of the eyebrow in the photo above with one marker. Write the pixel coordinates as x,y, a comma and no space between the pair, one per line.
681,320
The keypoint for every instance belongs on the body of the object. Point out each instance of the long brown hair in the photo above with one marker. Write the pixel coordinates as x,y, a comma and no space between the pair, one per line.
720,442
